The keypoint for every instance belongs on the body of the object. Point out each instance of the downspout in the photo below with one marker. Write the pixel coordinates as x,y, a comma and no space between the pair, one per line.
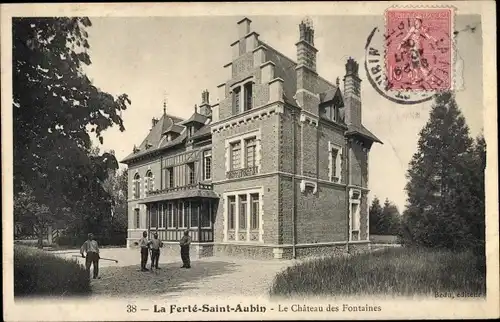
294,189
161,172
347,160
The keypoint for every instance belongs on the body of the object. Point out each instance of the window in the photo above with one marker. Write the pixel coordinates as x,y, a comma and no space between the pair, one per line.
153,215
194,213
171,218
149,182
137,218
248,96
206,214
235,155
329,112
236,100
334,162
243,216
254,212
190,167
180,214
170,177
187,213
355,216
207,165
334,153
231,212
137,186
243,212
250,145
162,222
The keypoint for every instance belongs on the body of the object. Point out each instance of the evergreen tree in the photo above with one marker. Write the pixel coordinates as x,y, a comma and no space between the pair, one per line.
375,213
390,219
438,210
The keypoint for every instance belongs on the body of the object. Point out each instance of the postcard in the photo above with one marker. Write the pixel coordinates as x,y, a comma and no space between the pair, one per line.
249,161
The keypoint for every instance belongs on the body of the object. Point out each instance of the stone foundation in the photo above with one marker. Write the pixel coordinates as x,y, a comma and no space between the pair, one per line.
172,249
200,250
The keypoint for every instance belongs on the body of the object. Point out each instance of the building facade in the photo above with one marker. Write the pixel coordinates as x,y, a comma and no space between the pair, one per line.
277,168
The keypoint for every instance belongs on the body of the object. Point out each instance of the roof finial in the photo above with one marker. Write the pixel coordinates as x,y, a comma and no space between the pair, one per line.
164,103
195,108
337,81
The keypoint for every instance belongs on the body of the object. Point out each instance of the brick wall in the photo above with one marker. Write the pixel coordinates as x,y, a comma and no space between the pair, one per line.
359,165
321,217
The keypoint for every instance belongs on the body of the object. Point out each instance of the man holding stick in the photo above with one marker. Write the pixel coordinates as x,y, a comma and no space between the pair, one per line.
91,249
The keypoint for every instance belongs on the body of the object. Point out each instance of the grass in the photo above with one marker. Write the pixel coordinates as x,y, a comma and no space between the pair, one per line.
391,272
39,273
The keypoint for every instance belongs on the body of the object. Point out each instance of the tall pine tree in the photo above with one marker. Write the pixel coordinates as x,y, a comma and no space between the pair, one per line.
438,210
375,213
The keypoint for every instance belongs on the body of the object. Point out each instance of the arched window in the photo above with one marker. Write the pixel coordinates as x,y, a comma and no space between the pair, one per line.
137,186
149,182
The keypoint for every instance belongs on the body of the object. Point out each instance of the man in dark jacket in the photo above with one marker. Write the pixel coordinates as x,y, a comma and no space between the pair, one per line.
185,243
144,245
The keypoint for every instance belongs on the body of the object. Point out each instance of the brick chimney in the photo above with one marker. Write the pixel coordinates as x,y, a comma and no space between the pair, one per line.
205,108
153,122
306,52
352,93
306,95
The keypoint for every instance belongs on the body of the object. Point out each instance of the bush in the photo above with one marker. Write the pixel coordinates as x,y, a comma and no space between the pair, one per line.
115,239
401,272
39,273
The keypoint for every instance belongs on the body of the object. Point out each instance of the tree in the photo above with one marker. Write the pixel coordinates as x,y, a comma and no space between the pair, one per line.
390,219
54,106
28,211
375,213
439,181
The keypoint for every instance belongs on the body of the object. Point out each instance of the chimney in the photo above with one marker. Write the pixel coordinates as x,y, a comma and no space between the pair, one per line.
205,108
306,95
153,122
352,93
244,27
306,52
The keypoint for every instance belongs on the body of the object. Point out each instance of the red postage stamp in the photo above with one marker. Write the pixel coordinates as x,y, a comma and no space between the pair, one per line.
419,49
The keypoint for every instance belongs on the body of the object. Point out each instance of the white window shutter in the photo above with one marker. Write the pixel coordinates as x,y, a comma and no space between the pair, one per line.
339,165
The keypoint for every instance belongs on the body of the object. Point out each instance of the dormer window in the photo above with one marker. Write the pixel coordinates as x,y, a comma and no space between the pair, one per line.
330,112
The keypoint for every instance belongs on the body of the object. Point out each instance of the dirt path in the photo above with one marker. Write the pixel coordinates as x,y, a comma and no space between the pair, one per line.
216,277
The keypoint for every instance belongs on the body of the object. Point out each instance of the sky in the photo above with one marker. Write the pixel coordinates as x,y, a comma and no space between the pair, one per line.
153,58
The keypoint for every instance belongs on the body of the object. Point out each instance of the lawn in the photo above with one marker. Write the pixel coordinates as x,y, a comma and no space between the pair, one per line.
393,272
38,273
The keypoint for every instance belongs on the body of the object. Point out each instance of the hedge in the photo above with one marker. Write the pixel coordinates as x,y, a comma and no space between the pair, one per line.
39,273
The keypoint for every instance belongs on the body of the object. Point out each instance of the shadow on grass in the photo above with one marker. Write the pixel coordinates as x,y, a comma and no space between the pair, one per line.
130,281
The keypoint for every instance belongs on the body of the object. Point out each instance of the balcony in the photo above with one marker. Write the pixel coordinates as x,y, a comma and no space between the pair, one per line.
199,185
197,190
244,172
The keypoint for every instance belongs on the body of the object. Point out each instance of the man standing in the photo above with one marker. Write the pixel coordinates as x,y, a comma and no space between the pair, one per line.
144,245
155,251
91,249
185,242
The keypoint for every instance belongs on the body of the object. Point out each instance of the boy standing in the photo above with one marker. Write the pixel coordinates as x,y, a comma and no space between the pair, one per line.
185,242
144,245
91,249
155,251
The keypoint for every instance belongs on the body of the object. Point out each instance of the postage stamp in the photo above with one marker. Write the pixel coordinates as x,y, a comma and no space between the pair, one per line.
419,51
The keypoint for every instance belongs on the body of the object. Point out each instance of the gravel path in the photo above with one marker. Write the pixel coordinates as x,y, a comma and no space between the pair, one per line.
216,277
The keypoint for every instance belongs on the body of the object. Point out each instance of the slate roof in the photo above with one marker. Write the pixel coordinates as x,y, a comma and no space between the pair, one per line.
362,131
195,118
155,136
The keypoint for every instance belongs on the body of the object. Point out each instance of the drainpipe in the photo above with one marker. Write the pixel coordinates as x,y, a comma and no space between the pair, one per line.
347,159
294,189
